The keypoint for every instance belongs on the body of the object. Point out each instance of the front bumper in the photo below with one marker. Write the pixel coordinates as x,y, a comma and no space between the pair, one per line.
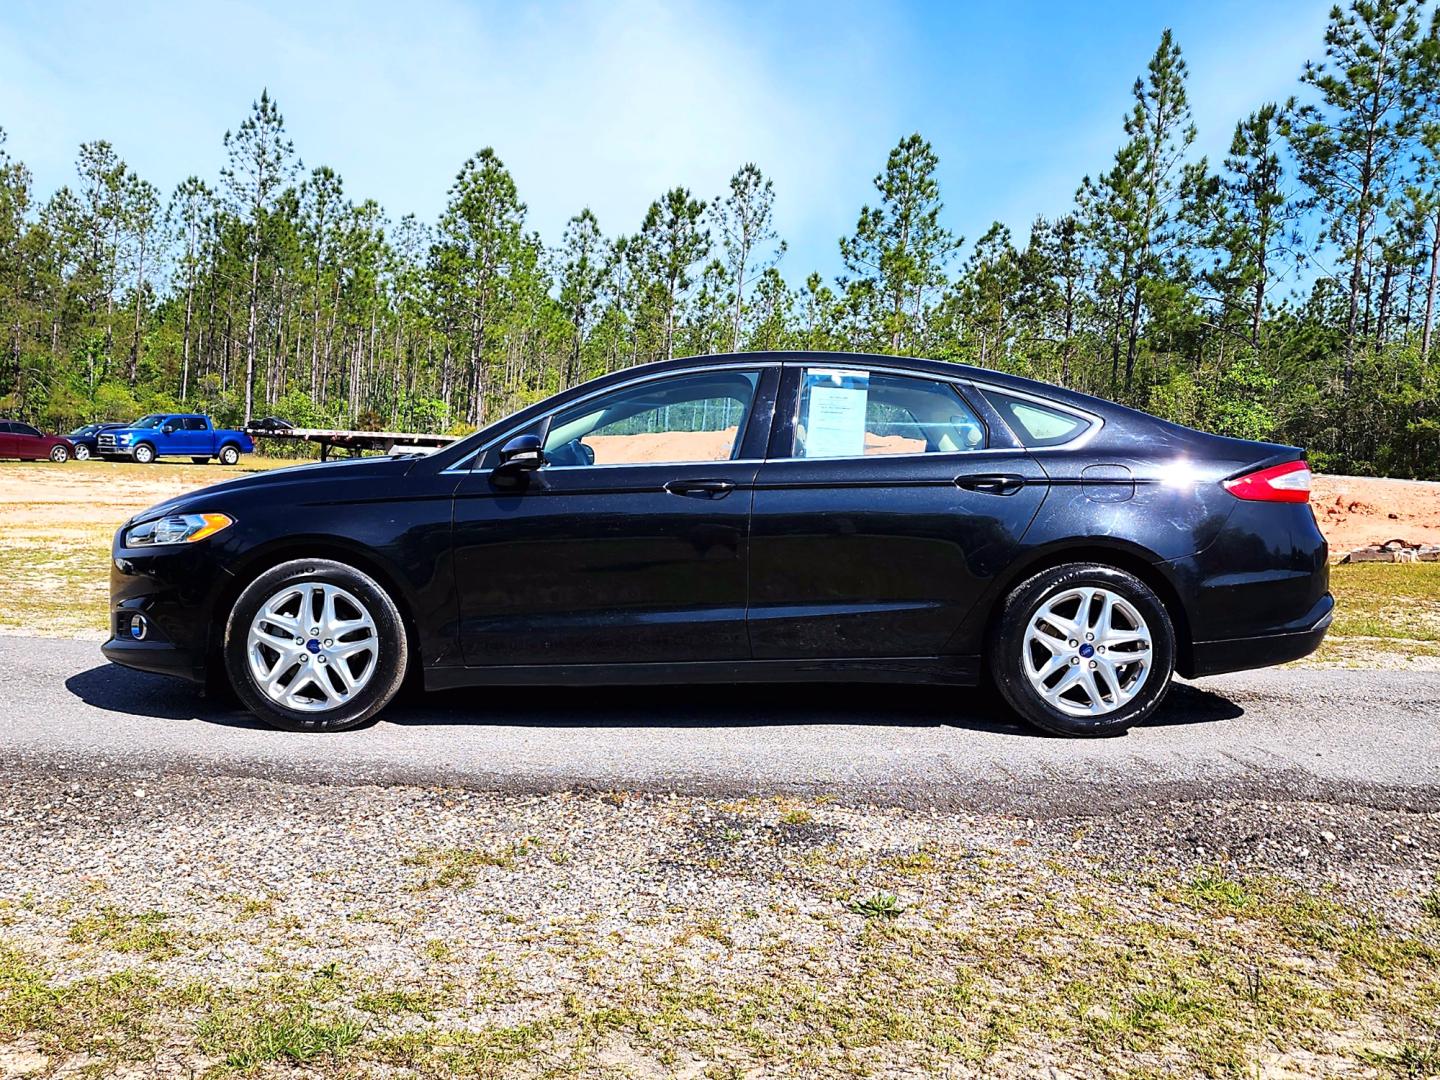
157,657
175,590
1300,638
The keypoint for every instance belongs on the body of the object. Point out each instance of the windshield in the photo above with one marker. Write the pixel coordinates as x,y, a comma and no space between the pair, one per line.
150,421
85,429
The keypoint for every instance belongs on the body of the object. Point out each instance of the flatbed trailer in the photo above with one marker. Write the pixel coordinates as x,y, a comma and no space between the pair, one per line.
354,441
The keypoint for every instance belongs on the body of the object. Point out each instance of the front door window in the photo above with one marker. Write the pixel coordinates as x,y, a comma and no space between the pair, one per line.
677,420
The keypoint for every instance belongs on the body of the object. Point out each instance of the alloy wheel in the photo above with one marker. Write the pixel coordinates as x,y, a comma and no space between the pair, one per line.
1087,651
312,647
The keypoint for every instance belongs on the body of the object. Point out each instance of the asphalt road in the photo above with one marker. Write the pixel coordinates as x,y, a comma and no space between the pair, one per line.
1366,736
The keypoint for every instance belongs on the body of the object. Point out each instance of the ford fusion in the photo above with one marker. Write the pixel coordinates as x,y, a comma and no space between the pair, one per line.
753,517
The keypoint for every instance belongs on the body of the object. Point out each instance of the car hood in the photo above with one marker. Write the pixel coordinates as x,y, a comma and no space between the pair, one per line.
349,470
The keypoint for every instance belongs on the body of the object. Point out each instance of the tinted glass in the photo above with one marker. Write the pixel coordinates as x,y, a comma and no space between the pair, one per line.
683,418
1035,424
849,413
194,423
26,429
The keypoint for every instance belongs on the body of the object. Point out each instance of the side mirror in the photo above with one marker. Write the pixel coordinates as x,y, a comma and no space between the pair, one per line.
523,453
168,429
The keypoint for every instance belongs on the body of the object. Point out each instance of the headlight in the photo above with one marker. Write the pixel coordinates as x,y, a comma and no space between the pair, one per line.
176,529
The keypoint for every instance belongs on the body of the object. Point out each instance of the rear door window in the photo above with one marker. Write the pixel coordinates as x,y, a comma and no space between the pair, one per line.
845,412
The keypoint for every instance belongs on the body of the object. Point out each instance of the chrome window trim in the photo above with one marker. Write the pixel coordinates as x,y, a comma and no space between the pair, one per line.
461,467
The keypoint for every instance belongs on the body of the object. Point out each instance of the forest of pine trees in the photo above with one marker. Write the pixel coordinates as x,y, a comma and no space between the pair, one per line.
1286,292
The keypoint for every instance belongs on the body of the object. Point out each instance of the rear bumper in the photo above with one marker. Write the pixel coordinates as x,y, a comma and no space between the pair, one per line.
1300,638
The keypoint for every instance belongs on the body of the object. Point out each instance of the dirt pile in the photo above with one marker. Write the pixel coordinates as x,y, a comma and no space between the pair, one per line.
1360,511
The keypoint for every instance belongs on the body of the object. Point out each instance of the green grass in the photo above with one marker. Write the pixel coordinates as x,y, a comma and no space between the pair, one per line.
1386,608
457,867
145,933
1193,974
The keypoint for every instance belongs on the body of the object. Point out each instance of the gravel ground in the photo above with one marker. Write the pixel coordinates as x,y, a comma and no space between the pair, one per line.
242,925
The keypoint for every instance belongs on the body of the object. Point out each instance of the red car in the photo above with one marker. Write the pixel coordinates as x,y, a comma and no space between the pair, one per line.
22,441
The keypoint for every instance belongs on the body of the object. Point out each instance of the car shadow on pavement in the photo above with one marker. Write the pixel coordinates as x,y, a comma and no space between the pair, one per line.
118,689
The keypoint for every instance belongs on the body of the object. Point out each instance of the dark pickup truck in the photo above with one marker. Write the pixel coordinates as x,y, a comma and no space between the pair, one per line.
174,435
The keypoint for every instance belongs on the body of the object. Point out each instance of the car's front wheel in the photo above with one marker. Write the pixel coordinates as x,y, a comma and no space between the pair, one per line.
82,452
1083,649
315,645
144,454
59,455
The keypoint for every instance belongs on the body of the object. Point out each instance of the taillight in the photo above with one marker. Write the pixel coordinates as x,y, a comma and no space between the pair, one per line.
1288,483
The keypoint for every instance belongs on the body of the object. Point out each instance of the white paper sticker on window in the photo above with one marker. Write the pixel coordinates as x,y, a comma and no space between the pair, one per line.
833,420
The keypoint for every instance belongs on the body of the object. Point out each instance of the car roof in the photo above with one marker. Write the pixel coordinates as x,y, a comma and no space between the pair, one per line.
921,365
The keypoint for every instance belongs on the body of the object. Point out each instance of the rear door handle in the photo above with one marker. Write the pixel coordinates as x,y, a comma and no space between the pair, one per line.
991,485
701,489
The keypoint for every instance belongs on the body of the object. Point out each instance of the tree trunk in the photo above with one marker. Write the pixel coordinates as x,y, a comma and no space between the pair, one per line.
250,329
1430,291
139,302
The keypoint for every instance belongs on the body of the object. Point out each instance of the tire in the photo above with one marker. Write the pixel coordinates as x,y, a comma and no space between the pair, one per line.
299,701
1026,644
144,454
82,453
229,455
59,455
200,460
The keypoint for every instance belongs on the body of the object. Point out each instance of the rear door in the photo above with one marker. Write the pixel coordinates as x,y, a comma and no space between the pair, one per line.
887,503
29,442
198,440
8,447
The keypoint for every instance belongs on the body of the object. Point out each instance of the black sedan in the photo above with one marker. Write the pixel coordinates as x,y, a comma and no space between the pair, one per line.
84,439
760,517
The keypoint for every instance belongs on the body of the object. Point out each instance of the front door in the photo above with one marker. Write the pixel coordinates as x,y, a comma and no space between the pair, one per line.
631,543
884,511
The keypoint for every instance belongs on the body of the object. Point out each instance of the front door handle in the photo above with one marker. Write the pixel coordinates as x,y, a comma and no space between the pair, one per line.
701,489
991,485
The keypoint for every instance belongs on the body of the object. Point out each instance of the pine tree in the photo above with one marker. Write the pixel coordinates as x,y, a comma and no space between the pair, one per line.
673,241
1350,144
899,254
260,163
745,218
584,259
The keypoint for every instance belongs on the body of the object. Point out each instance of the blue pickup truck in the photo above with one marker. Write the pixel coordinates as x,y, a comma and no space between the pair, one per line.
189,435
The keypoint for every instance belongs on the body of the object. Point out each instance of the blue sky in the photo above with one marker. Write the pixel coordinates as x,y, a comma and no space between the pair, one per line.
609,104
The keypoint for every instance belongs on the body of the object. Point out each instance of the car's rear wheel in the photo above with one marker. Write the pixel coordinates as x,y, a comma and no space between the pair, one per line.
144,454
59,455
82,452
315,645
229,455
1083,649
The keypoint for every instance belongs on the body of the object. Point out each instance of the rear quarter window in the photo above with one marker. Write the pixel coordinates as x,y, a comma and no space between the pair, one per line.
1036,424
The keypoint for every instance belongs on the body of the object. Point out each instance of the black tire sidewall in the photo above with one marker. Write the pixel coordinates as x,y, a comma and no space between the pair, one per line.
1006,649
144,449
390,629
59,455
